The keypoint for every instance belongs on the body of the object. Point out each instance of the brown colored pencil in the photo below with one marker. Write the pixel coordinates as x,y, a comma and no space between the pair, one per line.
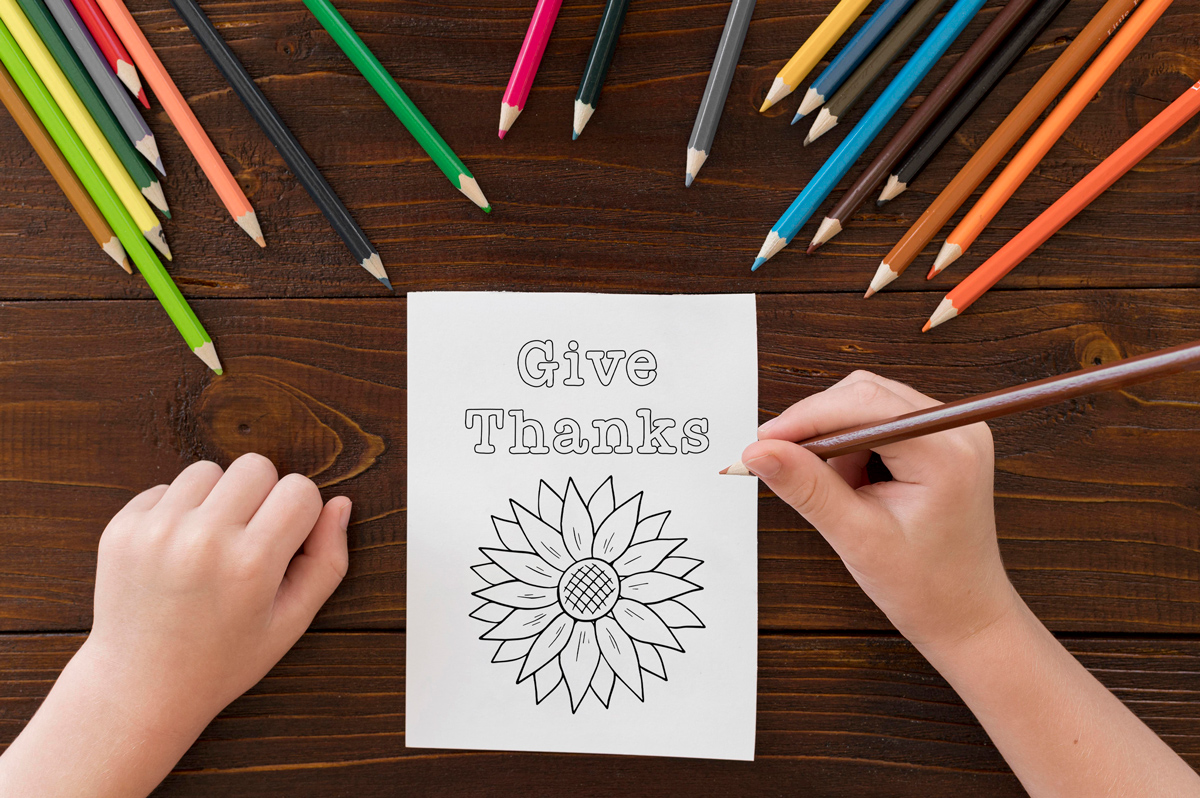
1005,402
80,200
928,111
1094,34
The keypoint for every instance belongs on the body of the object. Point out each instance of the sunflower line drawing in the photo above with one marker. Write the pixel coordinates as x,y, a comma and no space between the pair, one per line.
585,593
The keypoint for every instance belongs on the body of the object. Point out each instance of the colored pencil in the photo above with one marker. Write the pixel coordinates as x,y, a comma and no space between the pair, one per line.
1003,137
868,128
185,121
935,102
859,47
965,102
1005,402
1031,154
391,93
285,143
118,59
70,104
870,69
1068,206
77,195
68,61
813,50
106,81
599,59
720,77
106,199
528,61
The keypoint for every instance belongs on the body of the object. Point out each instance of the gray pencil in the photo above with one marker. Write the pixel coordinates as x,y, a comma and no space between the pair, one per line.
869,70
111,89
713,102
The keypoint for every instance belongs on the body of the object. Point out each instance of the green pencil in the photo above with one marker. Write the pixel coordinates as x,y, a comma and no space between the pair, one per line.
106,200
603,47
56,42
387,88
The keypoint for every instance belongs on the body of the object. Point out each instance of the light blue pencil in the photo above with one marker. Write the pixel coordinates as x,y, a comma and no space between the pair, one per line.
845,62
853,146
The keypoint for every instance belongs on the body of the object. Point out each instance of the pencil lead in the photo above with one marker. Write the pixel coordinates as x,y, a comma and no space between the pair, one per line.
488,209
757,262
828,229
738,469
208,353
947,255
870,292
695,160
778,91
933,272
387,283
807,140
502,133
797,117
508,115
944,312
574,135
687,180
883,276
583,113
928,326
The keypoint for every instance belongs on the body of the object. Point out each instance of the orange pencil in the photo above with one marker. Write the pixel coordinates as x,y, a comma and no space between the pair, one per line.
1068,206
1050,131
185,121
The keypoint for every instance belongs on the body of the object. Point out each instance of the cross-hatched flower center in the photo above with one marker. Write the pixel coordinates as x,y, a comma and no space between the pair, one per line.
589,589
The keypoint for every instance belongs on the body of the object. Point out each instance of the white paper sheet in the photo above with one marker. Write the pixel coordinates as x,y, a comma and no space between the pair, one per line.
635,632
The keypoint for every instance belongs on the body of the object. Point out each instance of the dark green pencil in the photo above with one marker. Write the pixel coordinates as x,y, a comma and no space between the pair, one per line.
597,64
56,42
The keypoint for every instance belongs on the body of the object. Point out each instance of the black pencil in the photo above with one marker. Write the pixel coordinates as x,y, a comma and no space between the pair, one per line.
970,97
293,154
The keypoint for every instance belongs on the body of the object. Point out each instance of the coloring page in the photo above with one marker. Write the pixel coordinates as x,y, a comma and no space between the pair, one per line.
580,577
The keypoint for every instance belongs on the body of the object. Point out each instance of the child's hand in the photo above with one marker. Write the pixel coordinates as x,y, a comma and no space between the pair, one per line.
203,585
923,547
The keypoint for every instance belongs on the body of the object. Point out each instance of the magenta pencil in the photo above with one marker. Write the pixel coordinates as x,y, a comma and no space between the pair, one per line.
528,60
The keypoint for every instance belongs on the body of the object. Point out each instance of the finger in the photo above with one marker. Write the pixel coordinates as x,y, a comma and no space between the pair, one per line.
813,488
246,484
141,503
284,519
190,488
315,572
852,468
908,392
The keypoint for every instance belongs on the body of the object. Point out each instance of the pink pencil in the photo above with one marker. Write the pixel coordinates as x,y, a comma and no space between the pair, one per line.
528,60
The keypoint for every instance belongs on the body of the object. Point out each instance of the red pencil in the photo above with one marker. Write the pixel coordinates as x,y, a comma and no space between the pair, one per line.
1068,206
114,52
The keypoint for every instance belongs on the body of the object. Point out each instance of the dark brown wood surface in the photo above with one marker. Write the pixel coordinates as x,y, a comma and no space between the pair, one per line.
1098,500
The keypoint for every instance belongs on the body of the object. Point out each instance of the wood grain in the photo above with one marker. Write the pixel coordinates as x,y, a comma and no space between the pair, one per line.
1098,500
608,211
835,716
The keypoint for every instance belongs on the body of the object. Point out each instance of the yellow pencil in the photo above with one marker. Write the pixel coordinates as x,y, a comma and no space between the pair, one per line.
813,50
60,89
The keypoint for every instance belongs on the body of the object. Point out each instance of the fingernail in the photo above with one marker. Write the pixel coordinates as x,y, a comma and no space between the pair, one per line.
766,425
344,519
766,466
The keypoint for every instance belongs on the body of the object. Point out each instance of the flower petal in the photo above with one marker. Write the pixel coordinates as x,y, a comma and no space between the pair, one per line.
548,644
513,649
545,680
492,613
650,527
650,659
677,616
602,502
577,528
579,660
652,587
550,504
528,568
510,534
545,539
642,557
641,623
619,653
678,566
522,623
519,594
603,681
615,532
491,573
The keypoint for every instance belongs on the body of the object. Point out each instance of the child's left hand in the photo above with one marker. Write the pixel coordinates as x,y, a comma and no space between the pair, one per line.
201,587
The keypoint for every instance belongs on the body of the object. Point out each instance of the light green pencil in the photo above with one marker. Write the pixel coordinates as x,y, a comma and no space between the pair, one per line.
106,200
387,88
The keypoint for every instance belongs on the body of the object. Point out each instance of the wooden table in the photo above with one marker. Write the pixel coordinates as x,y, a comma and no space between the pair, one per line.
1098,501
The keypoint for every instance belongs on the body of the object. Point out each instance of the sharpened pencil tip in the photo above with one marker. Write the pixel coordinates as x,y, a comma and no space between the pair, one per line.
811,249
738,469
127,266
262,242
933,272
488,209
795,119
757,262
687,180
574,135
927,327
502,133
145,101
869,293
387,283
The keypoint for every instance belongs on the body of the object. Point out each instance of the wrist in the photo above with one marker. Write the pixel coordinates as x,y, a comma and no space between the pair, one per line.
1008,624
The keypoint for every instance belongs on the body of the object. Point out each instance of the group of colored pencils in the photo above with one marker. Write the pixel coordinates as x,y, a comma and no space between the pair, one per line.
878,44
67,71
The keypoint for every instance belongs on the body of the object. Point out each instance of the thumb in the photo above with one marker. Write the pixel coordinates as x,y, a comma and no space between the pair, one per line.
808,484
315,572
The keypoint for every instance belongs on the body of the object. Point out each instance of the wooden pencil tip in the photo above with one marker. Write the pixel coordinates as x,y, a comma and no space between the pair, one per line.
811,248
143,99
502,133
933,272
262,242
927,327
870,292
736,470
127,266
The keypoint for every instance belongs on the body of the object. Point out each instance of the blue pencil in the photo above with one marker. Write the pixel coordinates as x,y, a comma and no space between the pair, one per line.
853,146
852,55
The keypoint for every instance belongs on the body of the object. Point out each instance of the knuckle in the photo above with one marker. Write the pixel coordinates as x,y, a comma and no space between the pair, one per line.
204,468
867,392
303,488
861,375
258,465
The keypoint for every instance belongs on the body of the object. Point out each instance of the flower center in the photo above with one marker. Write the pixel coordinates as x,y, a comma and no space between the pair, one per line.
588,589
